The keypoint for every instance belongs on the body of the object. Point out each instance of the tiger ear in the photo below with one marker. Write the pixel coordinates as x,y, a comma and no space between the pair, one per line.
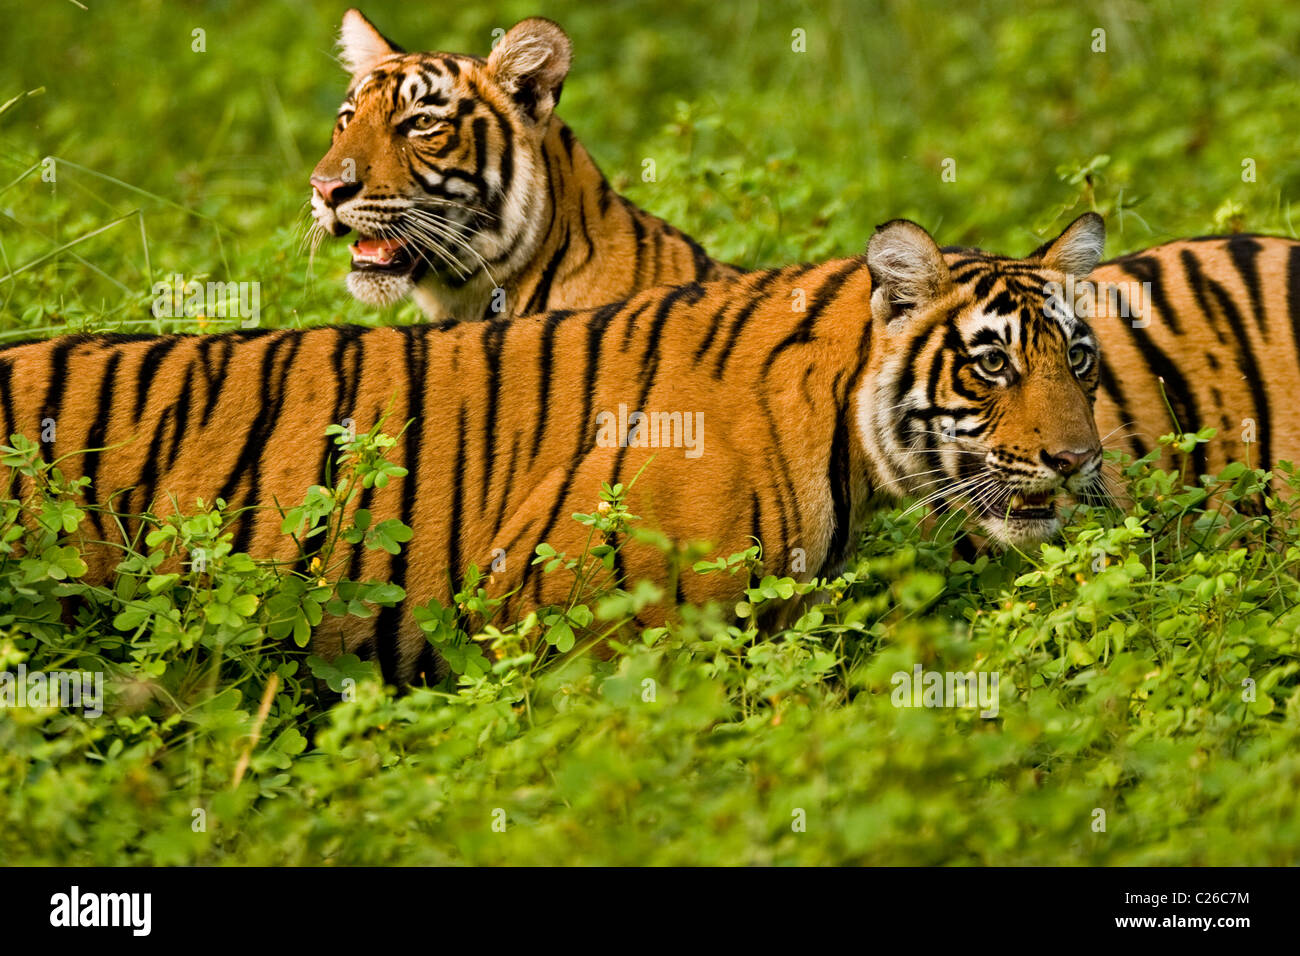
907,269
361,46
530,62
1078,249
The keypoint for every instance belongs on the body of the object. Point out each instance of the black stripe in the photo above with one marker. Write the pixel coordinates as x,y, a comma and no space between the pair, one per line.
347,340
214,377
756,519
742,316
494,333
1201,293
567,139
149,477
823,297
96,438
582,446
153,358
479,126
585,232
387,626
715,323
542,293
837,475
638,235
6,400
1110,385
258,436
348,344
1245,255
597,324
1149,269
183,402
504,501
1293,296
53,400
703,264
1180,395
545,357
1249,370
457,504
909,366
507,166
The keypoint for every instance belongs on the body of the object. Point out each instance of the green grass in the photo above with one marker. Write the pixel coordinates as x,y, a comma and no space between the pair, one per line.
1147,670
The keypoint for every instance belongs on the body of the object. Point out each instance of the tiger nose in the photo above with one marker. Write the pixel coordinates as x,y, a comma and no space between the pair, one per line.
1068,462
334,191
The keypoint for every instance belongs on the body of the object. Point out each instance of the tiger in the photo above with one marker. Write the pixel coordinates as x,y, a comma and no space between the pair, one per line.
468,194
1213,334
1193,334
1195,346
779,407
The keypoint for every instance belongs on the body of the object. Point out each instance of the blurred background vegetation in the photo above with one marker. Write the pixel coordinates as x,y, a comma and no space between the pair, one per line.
1122,683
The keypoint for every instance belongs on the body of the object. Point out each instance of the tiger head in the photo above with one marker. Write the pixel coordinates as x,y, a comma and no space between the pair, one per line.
436,158
981,378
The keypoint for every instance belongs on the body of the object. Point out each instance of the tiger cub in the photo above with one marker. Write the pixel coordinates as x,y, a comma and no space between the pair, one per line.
778,406
469,194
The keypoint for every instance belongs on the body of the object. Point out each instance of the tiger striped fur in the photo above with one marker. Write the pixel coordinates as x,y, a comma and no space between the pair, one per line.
468,193
1193,334
1220,322
1217,335
820,390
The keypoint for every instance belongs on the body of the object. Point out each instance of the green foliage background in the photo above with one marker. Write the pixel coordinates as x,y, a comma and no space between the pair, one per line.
1121,687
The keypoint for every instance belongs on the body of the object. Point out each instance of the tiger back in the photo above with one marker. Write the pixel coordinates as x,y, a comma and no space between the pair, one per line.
1202,333
732,416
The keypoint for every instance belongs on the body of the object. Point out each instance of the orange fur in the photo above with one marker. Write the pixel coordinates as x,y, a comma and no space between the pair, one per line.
502,448
499,210
1222,328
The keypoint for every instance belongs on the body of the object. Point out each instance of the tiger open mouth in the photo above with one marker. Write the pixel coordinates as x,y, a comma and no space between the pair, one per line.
1029,506
1020,518
384,255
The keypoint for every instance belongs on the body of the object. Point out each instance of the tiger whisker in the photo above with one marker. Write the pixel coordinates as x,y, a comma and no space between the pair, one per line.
435,237
436,246
388,232
451,202
427,224
976,498
956,490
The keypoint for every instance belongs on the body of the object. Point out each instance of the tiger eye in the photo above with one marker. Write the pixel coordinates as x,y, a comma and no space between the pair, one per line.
993,362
